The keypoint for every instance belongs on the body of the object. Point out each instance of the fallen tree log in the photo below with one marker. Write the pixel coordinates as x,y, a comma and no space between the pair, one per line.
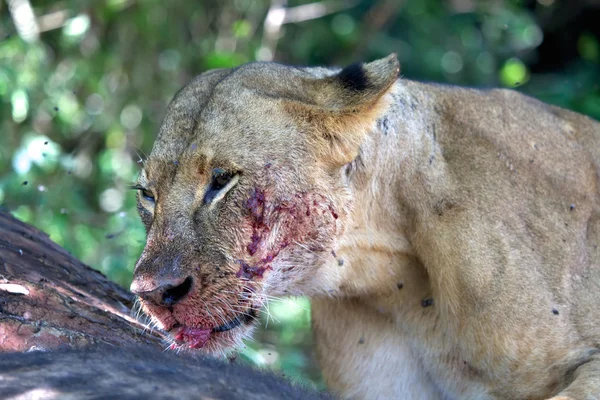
108,372
67,332
50,300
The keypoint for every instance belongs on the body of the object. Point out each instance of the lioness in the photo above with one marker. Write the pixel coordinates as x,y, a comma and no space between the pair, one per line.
448,237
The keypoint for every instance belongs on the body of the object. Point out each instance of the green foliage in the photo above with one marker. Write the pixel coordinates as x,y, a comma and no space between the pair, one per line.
80,106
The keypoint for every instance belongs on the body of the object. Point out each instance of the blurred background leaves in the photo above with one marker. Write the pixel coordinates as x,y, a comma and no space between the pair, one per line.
84,85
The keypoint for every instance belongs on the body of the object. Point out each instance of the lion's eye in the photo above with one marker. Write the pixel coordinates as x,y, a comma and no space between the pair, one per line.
147,194
220,179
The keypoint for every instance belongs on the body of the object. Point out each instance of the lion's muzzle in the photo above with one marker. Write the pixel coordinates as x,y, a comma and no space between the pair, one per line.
162,291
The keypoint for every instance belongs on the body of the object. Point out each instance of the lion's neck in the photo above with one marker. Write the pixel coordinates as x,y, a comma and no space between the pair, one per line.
375,255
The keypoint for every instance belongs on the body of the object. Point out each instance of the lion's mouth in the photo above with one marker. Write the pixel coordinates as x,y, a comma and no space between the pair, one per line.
234,323
196,338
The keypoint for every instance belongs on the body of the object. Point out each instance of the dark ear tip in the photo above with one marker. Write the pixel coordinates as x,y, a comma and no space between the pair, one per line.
360,76
354,77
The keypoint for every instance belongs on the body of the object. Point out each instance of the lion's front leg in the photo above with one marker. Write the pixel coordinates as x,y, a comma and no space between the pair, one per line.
363,355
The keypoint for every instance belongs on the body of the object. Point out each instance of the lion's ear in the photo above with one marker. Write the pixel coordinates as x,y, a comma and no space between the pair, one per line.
343,108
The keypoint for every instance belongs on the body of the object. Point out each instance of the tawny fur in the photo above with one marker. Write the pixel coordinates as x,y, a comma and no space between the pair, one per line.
448,237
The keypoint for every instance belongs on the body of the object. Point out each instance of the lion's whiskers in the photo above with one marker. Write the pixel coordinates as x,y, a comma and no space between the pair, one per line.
208,312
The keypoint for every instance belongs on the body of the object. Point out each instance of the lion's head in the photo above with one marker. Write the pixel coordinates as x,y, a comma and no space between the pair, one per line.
245,192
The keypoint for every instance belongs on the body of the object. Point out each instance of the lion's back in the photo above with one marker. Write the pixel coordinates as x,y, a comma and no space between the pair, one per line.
534,170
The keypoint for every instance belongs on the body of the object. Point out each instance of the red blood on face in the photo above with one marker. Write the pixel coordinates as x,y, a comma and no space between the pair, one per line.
249,272
256,206
333,213
308,219
196,338
254,242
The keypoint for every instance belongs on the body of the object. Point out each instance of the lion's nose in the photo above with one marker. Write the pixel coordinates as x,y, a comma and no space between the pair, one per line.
166,292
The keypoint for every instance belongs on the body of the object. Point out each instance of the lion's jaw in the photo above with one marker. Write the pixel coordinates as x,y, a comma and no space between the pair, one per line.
215,331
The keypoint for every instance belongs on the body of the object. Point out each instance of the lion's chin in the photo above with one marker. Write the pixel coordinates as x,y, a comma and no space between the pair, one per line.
215,340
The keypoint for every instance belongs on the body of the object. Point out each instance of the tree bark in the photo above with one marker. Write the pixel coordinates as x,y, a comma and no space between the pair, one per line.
50,300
